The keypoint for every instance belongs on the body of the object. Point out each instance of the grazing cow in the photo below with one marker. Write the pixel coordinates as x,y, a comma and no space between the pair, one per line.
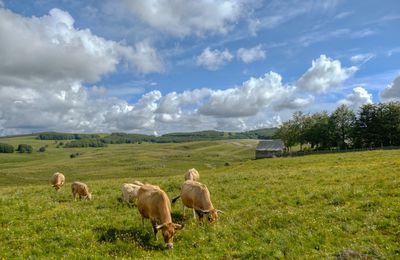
129,192
81,189
195,195
57,180
192,174
154,204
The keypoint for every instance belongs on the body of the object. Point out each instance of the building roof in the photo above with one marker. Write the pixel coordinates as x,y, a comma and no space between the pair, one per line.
270,145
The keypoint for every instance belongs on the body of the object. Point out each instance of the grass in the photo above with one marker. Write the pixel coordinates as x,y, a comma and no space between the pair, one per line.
306,207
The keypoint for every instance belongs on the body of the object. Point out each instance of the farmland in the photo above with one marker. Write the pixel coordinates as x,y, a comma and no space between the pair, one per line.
304,207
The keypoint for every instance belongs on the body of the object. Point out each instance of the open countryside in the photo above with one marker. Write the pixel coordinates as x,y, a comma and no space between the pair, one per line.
318,206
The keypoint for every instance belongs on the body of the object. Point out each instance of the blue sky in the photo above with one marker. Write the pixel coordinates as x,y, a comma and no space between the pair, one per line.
163,66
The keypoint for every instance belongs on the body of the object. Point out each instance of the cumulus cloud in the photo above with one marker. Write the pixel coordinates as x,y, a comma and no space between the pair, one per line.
392,91
248,99
182,18
50,48
214,59
324,75
251,54
357,98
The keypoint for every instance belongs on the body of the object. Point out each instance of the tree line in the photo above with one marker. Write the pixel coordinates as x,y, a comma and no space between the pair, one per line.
373,125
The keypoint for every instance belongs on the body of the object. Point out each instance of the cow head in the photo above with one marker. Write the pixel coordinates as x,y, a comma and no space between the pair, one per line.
212,214
89,196
168,231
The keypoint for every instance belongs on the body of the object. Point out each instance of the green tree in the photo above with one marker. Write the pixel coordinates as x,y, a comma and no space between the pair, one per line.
286,132
342,122
24,148
6,148
317,130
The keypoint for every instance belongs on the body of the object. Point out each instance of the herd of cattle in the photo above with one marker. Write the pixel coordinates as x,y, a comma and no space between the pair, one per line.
154,204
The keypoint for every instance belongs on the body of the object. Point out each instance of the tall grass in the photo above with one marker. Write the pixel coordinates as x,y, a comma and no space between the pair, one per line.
307,207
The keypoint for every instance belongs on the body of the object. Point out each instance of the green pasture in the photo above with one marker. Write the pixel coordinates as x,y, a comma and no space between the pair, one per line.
311,207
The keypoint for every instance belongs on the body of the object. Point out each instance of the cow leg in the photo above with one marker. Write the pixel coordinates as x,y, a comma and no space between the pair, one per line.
200,214
183,208
154,224
193,213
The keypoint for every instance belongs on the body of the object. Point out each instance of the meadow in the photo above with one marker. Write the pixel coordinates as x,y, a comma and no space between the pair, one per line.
308,207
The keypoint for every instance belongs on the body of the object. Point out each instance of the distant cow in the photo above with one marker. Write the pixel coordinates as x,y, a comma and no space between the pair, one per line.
129,191
81,189
195,195
57,180
192,174
154,204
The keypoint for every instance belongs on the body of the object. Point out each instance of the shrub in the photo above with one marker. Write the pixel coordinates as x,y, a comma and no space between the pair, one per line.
42,149
6,148
24,148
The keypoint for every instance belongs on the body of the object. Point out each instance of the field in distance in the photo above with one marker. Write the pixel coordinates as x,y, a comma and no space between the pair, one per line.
306,207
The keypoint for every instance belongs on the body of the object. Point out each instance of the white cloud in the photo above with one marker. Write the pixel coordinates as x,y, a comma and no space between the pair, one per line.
182,18
343,15
362,58
392,91
250,98
357,98
324,75
214,59
37,50
393,51
251,54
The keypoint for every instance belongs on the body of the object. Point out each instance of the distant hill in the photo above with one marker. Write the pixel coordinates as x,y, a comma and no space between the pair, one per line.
178,137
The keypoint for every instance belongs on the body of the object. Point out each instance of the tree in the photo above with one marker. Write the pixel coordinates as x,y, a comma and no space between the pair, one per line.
317,130
286,132
6,148
342,122
24,148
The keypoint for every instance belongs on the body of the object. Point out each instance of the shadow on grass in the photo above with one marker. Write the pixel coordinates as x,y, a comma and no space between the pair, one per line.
178,218
138,235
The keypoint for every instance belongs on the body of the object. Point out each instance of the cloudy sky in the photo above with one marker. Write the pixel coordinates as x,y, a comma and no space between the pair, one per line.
159,66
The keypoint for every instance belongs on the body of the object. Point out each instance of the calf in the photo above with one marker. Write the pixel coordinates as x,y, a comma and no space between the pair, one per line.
57,180
195,195
81,189
154,204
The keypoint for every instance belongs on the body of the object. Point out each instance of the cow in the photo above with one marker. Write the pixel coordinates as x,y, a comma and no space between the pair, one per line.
195,195
129,191
81,189
192,174
57,180
153,203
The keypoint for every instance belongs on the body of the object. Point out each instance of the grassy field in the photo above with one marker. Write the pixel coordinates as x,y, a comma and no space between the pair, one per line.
306,207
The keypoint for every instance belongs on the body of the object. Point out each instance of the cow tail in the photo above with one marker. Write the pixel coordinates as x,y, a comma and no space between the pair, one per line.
175,199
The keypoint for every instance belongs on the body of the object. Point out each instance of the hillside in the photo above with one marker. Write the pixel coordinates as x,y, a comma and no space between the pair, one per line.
305,207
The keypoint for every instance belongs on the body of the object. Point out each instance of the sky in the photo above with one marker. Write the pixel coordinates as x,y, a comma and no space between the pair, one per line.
159,66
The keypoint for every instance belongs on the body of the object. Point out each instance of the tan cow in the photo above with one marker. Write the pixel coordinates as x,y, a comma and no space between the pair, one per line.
192,174
81,189
129,192
154,204
195,195
57,180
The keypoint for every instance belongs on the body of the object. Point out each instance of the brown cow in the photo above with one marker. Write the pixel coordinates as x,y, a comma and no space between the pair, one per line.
154,204
195,195
81,189
57,180
192,174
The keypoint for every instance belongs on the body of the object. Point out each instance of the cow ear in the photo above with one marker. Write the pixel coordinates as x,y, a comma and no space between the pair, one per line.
177,226
160,226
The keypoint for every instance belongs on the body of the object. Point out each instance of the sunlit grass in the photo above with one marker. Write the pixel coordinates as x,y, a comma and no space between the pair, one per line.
305,207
